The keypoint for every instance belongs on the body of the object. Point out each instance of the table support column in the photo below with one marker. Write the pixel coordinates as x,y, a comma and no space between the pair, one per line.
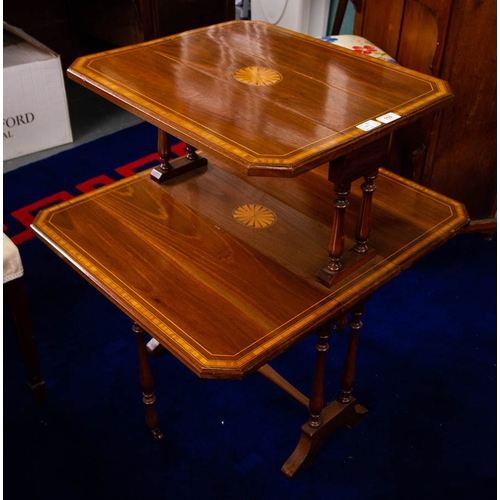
362,162
147,384
342,411
164,151
170,169
336,244
364,220
342,263
317,400
348,373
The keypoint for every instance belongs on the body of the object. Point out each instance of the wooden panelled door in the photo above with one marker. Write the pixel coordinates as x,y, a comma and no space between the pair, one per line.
453,153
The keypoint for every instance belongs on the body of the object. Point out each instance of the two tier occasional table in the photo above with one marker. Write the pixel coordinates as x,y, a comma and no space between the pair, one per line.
232,254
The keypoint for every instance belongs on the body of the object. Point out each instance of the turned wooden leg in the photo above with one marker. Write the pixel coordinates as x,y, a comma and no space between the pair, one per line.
327,274
336,244
164,151
364,219
162,172
349,371
147,385
316,401
17,301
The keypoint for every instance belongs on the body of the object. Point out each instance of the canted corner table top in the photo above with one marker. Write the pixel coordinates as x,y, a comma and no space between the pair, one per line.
220,268
267,100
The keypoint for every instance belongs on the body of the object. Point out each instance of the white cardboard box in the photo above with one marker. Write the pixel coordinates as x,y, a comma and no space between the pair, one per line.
35,109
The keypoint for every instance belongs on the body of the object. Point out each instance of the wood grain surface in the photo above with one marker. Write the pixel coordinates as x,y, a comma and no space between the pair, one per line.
306,110
226,298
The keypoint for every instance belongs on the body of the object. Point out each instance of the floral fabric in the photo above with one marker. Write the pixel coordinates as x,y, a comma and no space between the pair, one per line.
361,45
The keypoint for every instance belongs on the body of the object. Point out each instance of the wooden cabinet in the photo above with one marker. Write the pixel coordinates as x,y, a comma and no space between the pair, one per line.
125,22
455,152
74,28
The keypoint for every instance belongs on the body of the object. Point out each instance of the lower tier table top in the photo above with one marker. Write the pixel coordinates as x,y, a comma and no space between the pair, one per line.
220,268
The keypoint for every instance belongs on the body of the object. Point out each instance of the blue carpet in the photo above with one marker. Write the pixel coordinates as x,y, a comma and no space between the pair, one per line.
426,371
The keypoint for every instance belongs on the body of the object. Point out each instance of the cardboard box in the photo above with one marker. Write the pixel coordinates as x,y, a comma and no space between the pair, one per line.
35,109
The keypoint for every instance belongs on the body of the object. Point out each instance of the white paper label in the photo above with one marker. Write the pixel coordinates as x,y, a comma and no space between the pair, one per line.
388,118
369,125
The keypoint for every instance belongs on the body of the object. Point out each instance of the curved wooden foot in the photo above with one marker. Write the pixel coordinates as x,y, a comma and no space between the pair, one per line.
333,416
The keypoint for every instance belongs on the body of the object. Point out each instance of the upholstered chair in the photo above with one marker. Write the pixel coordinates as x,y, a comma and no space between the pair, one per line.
354,42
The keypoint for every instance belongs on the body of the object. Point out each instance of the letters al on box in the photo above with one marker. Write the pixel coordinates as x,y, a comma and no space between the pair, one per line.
35,109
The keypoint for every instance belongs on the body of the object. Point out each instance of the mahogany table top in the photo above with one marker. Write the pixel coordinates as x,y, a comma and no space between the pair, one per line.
266,100
220,268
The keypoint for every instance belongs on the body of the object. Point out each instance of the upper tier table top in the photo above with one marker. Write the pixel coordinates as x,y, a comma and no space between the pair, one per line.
264,99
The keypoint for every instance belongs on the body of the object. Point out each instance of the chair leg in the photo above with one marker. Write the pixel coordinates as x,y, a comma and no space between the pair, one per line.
339,17
17,299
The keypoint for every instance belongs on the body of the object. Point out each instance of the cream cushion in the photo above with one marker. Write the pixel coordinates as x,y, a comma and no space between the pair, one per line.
360,45
12,265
